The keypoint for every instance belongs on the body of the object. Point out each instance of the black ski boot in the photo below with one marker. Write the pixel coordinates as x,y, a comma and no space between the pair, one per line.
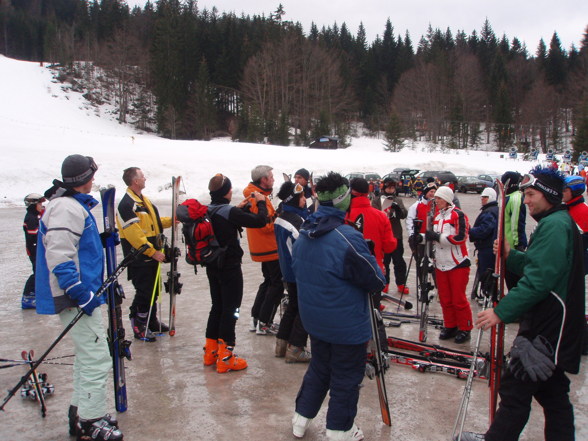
140,329
98,430
154,324
73,420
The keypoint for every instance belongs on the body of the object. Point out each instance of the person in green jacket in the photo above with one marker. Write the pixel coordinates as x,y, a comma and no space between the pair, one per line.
549,300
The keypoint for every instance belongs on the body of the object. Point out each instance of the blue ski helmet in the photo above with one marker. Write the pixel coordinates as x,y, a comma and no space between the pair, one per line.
576,184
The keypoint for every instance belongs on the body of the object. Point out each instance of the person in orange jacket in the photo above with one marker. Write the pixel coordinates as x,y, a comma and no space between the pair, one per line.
264,248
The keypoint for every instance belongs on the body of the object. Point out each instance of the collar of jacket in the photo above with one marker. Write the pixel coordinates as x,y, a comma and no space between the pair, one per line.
488,205
546,213
262,190
302,212
360,201
576,201
86,200
324,220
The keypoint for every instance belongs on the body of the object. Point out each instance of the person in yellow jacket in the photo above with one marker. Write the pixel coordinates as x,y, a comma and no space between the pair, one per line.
264,248
138,224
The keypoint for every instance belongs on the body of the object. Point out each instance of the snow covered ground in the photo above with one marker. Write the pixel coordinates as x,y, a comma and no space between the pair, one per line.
42,121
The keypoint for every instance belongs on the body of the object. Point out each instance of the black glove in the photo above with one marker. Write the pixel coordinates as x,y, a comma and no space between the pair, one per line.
414,240
531,361
432,236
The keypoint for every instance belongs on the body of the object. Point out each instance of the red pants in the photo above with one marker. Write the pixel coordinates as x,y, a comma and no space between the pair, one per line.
451,286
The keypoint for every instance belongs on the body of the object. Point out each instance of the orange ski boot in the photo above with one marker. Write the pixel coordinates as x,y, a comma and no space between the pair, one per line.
227,361
210,352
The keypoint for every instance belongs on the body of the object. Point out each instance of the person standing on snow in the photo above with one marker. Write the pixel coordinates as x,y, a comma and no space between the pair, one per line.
139,223
34,204
335,272
292,337
263,248
483,233
226,281
70,269
394,209
452,266
549,300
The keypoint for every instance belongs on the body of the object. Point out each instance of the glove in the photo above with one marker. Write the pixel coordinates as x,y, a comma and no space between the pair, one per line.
432,236
91,304
530,361
414,240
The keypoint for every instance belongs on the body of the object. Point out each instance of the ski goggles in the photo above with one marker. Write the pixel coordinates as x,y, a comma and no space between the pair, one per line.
530,180
295,192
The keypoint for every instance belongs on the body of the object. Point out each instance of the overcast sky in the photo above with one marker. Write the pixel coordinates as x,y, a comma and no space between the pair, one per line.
527,20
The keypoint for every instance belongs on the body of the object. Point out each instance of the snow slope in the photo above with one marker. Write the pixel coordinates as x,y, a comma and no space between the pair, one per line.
41,122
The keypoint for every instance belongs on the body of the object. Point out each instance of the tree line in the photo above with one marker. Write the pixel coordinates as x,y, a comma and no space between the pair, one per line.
262,78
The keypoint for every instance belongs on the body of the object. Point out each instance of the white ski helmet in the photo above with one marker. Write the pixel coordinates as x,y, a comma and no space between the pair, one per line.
33,199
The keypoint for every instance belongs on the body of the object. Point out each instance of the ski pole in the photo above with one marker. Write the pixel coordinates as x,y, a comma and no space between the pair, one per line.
405,279
111,279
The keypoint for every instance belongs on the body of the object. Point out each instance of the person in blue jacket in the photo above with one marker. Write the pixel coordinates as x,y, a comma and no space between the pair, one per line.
335,273
70,270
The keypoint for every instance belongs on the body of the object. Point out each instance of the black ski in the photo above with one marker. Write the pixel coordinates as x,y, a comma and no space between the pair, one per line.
38,393
173,285
435,351
426,276
119,347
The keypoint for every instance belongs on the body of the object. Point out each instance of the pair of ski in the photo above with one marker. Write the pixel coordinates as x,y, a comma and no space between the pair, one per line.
496,356
36,386
434,358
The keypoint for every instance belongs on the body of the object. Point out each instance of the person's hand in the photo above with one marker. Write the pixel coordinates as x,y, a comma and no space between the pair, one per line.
487,319
159,256
432,236
414,240
505,248
92,302
258,196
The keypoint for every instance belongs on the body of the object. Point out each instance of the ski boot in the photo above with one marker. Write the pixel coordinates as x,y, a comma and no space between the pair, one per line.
403,290
99,429
281,347
73,418
141,331
470,436
156,326
295,354
353,434
299,425
210,352
28,301
227,361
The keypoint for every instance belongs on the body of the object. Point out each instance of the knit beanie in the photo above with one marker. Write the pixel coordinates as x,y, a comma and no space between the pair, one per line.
359,187
304,173
513,178
550,182
77,170
445,193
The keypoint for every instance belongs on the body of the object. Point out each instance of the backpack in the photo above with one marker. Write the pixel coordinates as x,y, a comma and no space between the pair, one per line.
202,247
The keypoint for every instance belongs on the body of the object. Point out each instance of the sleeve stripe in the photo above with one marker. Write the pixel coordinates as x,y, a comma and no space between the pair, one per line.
63,229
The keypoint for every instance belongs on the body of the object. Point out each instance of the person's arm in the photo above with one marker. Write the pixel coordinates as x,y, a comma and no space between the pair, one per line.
485,228
247,219
360,267
401,211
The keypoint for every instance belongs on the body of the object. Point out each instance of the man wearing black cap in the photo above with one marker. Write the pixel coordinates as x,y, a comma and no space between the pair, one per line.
139,224
302,177
549,300
70,269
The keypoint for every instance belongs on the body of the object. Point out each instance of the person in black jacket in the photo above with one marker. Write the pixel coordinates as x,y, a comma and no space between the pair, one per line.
483,233
34,204
226,281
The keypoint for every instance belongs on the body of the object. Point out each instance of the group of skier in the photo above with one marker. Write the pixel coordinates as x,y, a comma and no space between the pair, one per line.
312,244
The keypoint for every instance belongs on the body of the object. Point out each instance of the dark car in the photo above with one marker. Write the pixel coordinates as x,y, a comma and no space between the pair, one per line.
324,142
443,176
490,180
471,183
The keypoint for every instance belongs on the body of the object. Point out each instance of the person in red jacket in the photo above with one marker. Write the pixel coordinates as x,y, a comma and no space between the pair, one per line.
264,248
574,188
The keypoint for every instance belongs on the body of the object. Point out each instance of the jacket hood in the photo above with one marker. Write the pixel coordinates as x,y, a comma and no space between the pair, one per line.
324,220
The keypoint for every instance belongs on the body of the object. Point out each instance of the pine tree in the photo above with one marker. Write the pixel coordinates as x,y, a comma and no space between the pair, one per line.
394,134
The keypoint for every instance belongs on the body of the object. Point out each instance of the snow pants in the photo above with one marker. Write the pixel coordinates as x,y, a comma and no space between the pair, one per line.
92,362
397,259
334,368
270,292
451,286
226,293
143,278
291,328
515,405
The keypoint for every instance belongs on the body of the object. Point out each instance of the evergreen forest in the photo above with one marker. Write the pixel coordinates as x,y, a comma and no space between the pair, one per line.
191,73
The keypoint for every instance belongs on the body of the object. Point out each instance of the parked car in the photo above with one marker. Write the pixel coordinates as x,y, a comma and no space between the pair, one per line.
471,183
443,176
368,176
490,180
324,142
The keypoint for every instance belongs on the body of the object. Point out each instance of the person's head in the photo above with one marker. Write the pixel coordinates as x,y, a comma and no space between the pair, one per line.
429,190
511,180
302,177
263,177
443,197
292,194
390,186
333,191
220,186
34,200
488,195
543,189
359,187
135,179
77,172
574,186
